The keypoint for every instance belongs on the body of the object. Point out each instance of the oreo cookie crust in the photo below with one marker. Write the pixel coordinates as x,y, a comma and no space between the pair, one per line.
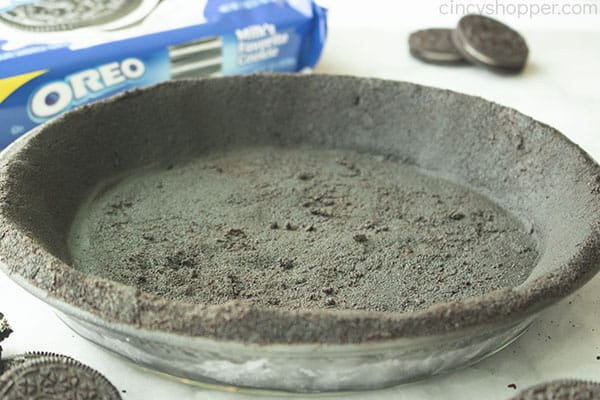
434,46
64,15
54,377
485,147
561,390
485,41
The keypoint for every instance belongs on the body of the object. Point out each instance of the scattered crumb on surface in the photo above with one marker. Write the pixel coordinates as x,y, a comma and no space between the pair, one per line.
210,233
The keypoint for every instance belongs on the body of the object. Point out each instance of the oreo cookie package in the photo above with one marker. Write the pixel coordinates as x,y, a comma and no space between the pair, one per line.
58,54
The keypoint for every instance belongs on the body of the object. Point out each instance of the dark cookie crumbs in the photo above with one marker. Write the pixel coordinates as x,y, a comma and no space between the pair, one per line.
215,239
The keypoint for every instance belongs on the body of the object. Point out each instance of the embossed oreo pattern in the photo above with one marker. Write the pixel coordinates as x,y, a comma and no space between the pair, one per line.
62,15
54,377
488,42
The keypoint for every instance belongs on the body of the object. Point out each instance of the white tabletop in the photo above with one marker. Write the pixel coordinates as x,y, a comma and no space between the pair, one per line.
561,87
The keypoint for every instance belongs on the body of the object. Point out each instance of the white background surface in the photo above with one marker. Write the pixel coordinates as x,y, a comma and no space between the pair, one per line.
561,86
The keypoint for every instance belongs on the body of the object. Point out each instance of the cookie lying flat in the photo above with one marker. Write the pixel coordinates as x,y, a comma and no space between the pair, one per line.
54,377
49,16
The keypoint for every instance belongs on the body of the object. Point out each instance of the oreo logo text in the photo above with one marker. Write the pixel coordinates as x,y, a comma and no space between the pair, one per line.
55,97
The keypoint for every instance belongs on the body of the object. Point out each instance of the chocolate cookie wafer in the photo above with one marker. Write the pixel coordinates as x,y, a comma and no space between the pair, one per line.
63,15
488,42
434,46
20,359
54,377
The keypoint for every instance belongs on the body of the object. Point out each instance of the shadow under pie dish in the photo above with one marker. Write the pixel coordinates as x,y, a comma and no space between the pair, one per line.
300,233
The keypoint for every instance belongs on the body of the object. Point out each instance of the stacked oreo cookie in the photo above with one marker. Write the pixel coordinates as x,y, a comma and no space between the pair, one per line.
477,39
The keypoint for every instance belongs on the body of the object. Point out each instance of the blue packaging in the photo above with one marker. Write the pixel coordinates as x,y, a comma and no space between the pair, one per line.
49,66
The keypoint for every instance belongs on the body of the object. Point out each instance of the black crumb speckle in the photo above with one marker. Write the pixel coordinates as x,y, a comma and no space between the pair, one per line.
285,224
360,238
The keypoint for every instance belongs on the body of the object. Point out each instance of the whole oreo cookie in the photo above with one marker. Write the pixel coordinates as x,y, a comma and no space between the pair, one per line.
63,15
54,377
434,46
485,41
561,390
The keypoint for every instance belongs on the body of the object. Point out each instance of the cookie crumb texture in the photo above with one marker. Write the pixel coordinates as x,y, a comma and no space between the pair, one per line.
5,330
369,233
561,390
